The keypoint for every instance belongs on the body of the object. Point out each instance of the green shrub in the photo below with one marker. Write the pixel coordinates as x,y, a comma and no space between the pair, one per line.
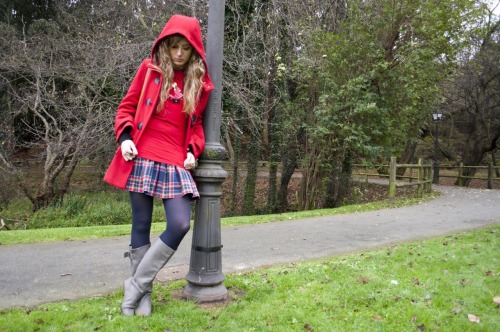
73,205
89,209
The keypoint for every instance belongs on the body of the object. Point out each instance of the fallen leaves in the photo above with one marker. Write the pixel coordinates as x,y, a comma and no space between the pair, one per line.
362,280
473,318
420,327
464,282
308,327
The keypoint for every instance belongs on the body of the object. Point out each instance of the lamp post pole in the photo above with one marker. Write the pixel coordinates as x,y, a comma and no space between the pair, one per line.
205,277
435,178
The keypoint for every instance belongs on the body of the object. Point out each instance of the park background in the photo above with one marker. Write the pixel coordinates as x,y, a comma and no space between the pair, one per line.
311,90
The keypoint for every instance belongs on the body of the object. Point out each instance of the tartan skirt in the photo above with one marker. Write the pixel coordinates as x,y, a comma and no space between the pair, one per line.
161,180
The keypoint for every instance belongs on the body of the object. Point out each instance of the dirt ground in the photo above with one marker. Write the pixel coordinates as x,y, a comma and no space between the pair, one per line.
479,184
360,193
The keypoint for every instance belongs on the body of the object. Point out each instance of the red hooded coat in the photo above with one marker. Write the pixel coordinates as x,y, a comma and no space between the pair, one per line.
135,110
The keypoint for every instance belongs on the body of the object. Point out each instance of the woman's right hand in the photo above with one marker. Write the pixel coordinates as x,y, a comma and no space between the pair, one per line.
129,151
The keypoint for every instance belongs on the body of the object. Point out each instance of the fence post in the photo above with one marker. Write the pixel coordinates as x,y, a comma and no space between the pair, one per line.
426,184
392,178
420,176
490,175
460,179
428,178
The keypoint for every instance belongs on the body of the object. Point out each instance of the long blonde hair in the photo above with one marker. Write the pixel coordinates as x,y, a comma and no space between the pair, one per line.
193,74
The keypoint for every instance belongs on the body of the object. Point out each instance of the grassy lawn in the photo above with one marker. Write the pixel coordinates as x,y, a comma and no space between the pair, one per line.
434,285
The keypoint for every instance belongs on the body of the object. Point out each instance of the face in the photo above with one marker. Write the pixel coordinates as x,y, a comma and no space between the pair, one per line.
180,53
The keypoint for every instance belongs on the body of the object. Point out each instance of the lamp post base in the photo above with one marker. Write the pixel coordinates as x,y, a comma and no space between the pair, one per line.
205,275
205,293
435,174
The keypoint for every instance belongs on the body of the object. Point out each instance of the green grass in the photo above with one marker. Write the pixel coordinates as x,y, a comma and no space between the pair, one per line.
423,286
112,210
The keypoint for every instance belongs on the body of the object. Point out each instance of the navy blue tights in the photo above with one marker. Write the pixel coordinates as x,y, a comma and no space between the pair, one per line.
177,213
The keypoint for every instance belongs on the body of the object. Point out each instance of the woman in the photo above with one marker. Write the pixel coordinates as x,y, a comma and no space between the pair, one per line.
159,128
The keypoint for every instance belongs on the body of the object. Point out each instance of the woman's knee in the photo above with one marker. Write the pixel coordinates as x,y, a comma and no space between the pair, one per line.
180,226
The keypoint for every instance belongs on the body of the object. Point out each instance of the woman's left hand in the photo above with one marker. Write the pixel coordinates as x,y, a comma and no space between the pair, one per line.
190,161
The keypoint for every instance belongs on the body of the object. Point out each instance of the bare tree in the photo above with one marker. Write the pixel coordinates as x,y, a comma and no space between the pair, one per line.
473,98
263,42
61,83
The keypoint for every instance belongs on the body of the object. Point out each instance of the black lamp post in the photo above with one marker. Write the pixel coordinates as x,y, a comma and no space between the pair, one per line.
205,275
436,116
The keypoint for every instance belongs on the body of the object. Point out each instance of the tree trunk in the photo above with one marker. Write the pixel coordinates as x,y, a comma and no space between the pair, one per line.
345,179
478,144
288,164
272,140
494,160
312,176
235,157
273,165
407,156
331,191
473,156
339,182
290,152
251,180
272,189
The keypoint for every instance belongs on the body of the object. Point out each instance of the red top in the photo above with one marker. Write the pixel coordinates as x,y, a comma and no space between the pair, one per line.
163,140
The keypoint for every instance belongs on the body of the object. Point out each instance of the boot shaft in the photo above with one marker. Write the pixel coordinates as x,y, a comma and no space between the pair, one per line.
152,262
136,255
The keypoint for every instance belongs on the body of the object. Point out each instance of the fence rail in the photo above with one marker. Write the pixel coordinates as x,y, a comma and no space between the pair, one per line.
422,178
491,171
371,171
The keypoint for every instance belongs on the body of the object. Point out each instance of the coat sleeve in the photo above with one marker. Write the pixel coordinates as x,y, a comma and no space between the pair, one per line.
197,140
128,106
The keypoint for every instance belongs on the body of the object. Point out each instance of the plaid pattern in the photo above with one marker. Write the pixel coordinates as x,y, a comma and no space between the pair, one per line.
161,180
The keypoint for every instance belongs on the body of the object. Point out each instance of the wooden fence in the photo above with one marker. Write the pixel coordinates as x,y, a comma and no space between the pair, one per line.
419,175
459,174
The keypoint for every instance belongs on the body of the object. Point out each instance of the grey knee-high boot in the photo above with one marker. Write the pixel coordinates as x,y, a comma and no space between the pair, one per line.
135,255
135,287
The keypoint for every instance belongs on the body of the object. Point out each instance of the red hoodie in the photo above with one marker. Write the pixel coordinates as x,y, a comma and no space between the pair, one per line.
139,104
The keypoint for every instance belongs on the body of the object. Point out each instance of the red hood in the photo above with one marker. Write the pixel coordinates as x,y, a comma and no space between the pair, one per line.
189,27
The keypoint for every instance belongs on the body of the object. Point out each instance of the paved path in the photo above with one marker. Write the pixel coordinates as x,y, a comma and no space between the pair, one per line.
40,273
